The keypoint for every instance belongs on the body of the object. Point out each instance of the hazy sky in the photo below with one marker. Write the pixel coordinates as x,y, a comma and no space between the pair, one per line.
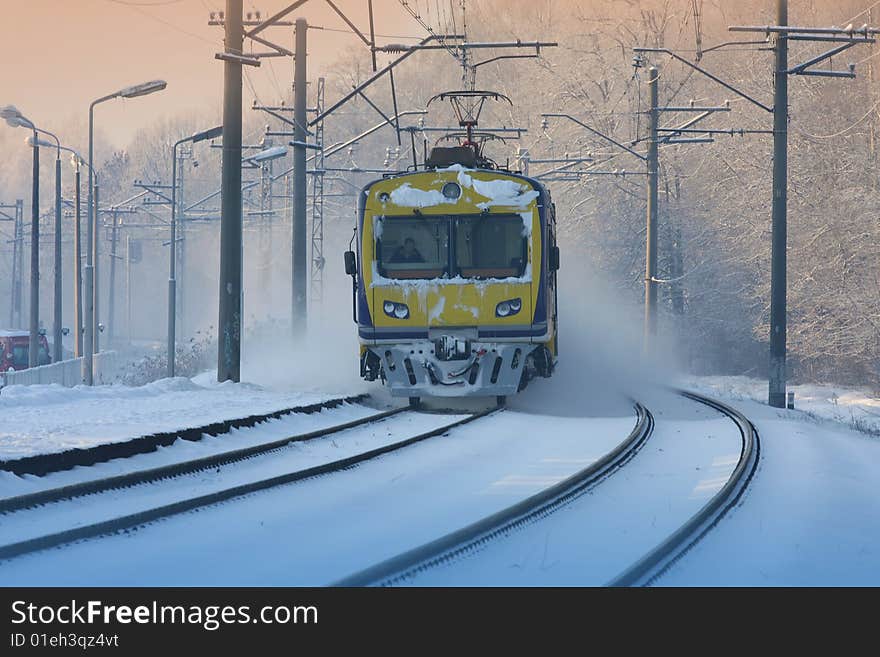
59,55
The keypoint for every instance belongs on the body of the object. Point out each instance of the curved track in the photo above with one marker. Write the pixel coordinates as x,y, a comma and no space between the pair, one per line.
127,522
661,558
643,572
535,507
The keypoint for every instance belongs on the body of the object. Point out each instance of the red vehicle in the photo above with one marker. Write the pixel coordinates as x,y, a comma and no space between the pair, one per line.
14,350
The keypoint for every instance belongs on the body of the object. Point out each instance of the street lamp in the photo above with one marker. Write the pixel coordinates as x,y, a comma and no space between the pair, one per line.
16,119
77,161
213,133
91,277
267,154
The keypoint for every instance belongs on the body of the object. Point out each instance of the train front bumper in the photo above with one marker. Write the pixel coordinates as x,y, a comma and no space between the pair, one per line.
413,370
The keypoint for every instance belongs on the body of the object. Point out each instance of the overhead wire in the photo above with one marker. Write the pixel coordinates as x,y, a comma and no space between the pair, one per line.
863,11
350,31
139,8
841,132
427,27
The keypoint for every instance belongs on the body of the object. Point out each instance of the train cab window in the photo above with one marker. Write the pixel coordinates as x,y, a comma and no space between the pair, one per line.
490,246
413,249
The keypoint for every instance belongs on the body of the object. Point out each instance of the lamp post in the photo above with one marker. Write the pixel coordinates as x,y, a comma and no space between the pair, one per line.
213,133
77,160
77,249
91,342
16,119
35,142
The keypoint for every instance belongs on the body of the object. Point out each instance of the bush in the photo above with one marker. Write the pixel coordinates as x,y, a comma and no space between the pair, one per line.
191,358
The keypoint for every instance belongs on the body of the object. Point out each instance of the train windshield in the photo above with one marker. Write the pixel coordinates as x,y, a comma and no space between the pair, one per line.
490,246
480,247
413,249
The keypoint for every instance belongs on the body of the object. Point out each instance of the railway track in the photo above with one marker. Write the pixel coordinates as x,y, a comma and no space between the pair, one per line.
11,506
533,508
643,572
654,564
43,464
181,468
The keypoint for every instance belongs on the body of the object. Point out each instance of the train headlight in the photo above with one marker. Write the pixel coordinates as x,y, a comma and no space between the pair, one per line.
396,310
508,308
451,191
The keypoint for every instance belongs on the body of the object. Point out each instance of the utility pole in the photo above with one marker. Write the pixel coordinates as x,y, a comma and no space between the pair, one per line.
96,281
34,341
88,284
111,304
77,268
17,264
128,286
19,281
299,252
96,318
841,39
179,245
56,316
778,258
651,242
172,271
229,325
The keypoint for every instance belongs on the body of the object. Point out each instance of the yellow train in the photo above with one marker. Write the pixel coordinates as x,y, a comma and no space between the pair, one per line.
455,279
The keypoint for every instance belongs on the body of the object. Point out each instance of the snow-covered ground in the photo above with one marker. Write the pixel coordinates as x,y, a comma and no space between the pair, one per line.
43,419
854,408
811,516
186,450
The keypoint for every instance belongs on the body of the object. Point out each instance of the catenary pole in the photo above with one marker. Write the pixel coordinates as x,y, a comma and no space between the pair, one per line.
111,297
172,268
779,217
77,267
299,255
651,242
229,325
57,300
34,341
128,286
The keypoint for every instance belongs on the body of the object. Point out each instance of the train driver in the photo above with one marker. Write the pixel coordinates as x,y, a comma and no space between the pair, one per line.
407,253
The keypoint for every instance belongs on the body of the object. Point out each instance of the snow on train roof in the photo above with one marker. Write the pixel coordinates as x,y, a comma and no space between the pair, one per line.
501,192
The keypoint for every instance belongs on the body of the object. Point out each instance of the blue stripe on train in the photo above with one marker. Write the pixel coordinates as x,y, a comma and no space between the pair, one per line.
423,335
